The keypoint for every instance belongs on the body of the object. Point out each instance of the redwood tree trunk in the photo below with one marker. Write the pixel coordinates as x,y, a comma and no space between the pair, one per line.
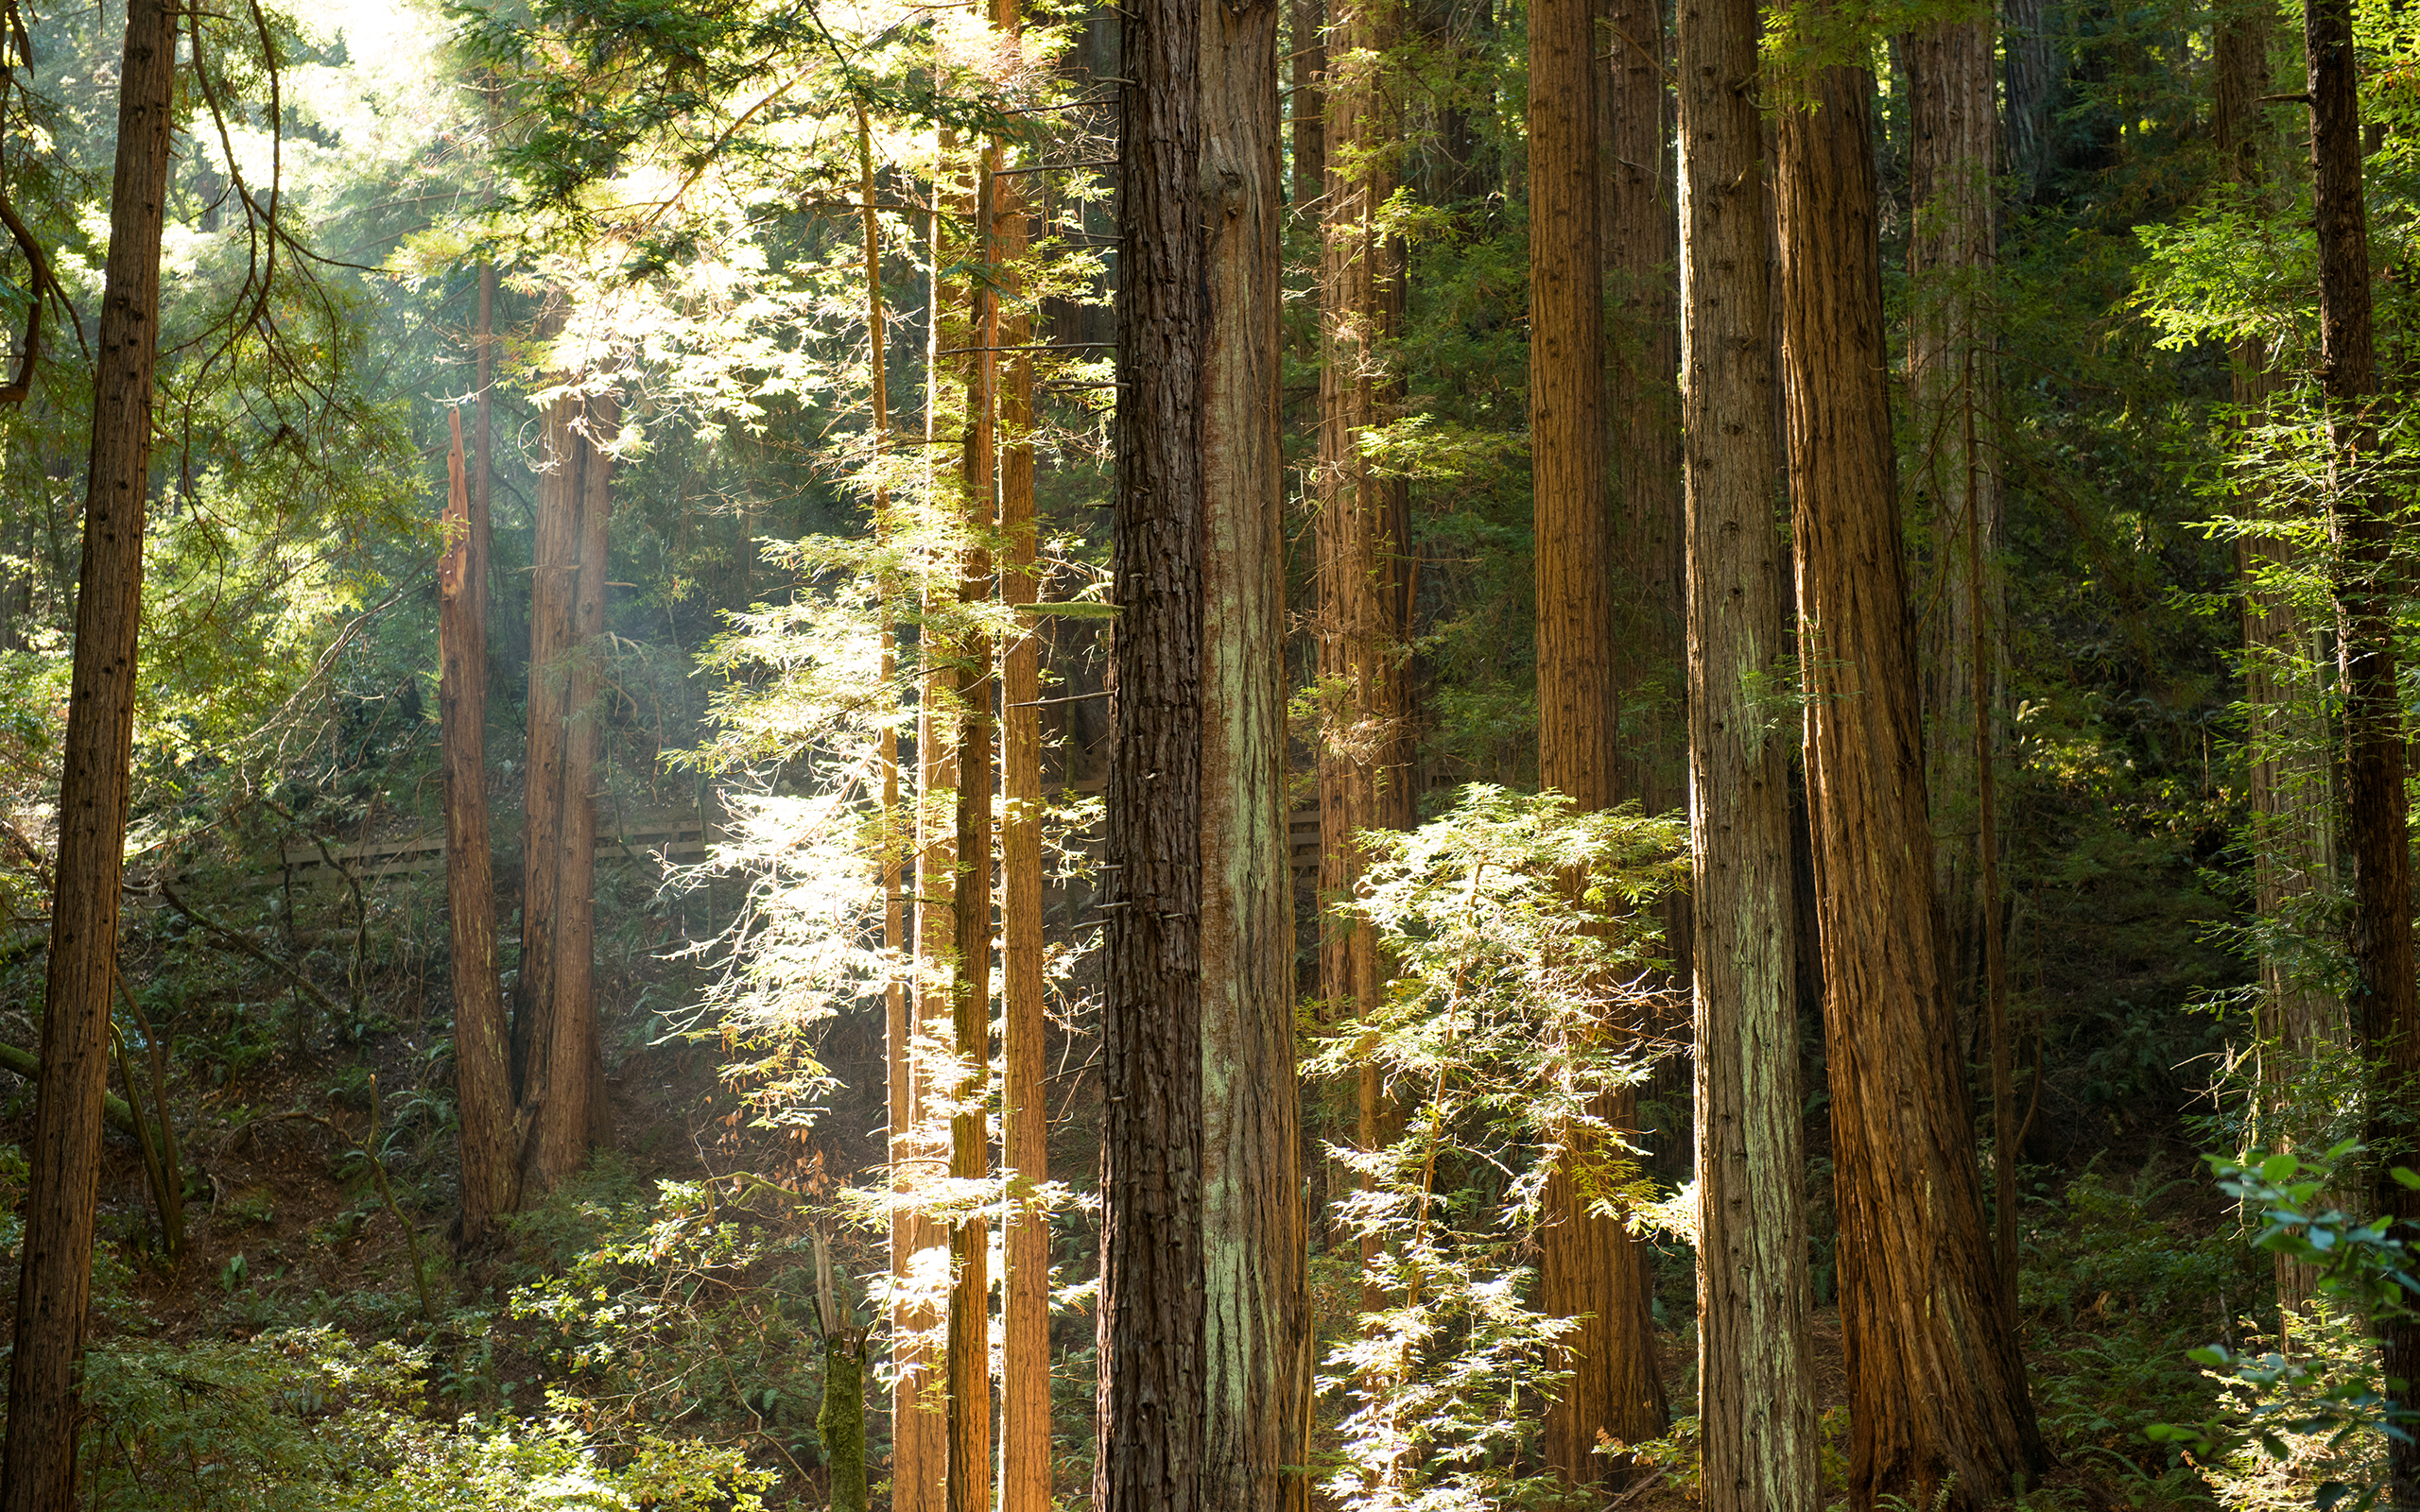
1257,1334
553,565
1651,614
1024,1122
969,1358
559,1057
2362,524
483,1041
2293,810
1363,617
1756,1386
1588,1266
920,1427
1151,1320
38,1471
1937,1387
1952,399
1307,25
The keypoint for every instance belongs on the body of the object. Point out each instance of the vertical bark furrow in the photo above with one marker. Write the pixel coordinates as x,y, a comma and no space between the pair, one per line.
482,1055
1937,1387
1256,1325
55,1279
1024,1286
1588,1266
1755,1389
1151,1320
2362,524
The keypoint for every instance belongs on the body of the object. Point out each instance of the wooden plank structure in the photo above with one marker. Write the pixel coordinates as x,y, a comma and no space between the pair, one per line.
678,834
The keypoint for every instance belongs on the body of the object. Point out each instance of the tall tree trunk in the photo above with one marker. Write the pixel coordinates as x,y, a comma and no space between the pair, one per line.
920,1428
2029,48
562,1093
2286,737
1256,1336
553,557
1589,1267
1937,1387
913,1438
1650,613
483,1041
1951,90
969,1360
1306,23
1025,1120
483,462
38,1471
1755,1388
1153,1400
1364,527
2362,526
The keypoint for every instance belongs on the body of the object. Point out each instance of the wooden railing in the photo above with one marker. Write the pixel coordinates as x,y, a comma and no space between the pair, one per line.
676,834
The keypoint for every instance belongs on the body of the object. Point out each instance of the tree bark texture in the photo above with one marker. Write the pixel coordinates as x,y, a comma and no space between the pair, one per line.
1153,1399
553,556
2292,804
1951,89
1651,609
969,1358
1937,1387
1641,248
2030,83
54,1288
482,1039
1756,1386
563,1109
1256,1332
921,1425
2361,527
1364,576
1589,1267
1306,23
1024,1122
911,1231
1953,394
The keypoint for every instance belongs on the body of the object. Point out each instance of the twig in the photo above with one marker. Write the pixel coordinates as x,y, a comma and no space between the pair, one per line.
236,941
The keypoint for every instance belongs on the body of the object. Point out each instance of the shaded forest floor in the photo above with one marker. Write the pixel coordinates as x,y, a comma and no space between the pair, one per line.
664,1292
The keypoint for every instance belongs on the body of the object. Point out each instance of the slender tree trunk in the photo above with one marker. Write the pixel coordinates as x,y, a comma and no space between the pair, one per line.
1589,1267
1364,527
2293,810
919,1430
563,1093
483,1041
1153,1399
1951,89
1953,383
2030,47
969,1361
1642,248
2362,525
1024,1122
1256,1335
483,463
1937,1387
1756,1386
1306,23
38,1471
553,559
911,1232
